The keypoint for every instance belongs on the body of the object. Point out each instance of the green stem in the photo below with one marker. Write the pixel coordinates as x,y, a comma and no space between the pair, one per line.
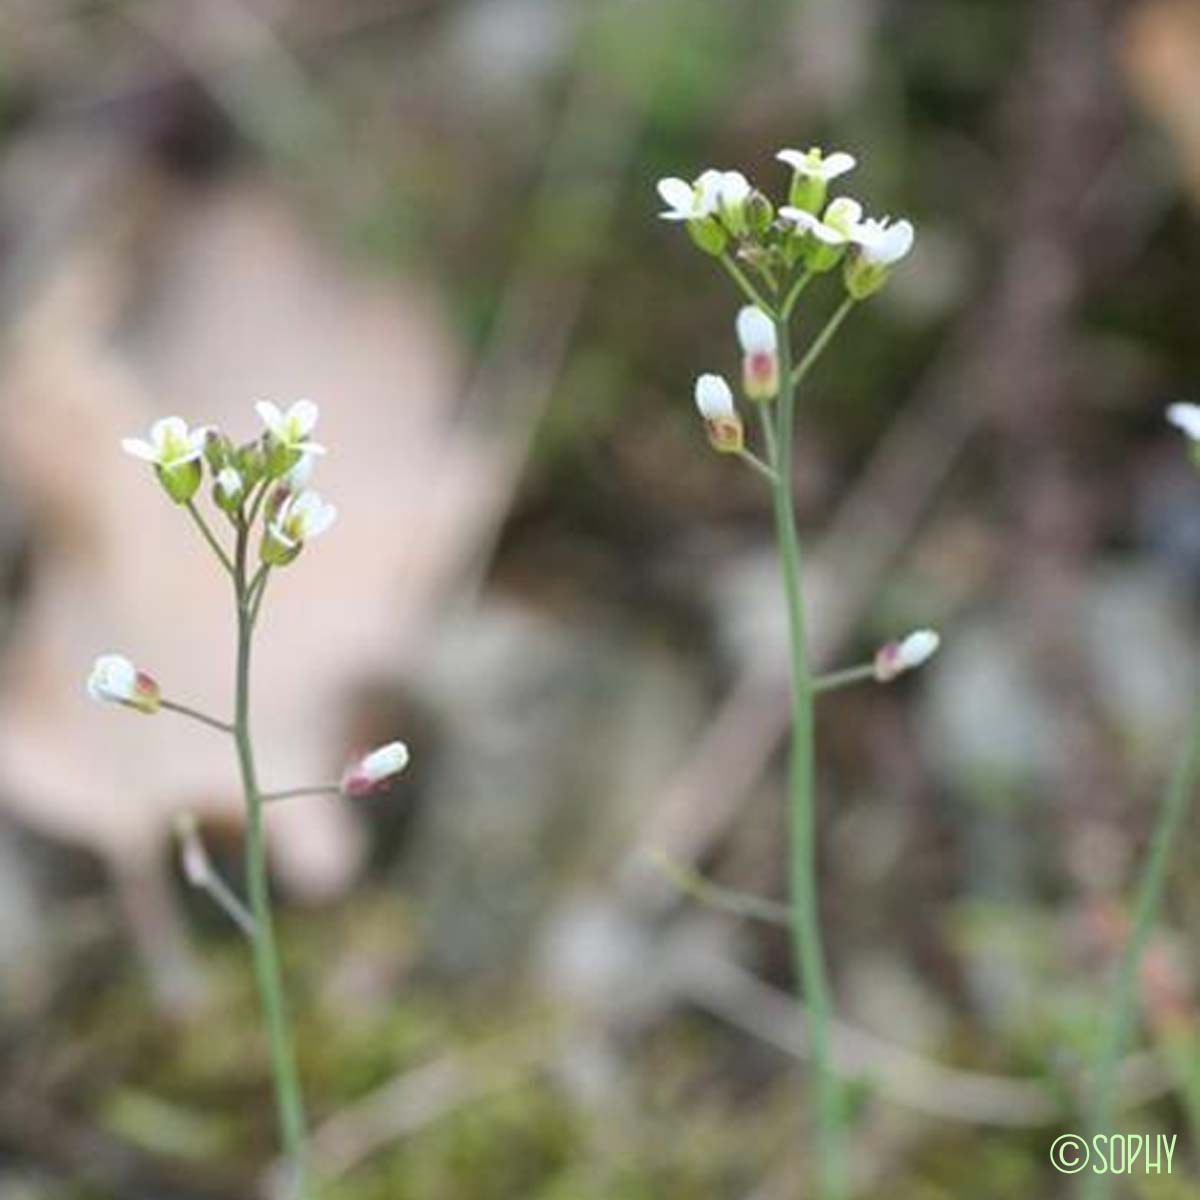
742,280
723,899
323,789
806,928
752,460
794,294
209,536
196,715
266,952
818,347
1179,791
839,679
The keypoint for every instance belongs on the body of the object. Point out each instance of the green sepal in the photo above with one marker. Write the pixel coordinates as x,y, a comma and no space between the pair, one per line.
274,553
181,481
709,235
808,193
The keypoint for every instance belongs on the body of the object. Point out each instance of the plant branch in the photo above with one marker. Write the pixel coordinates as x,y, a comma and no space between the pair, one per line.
833,680
823,339
202,875
209,536
196,715
321,789
723,899
793,295
1179,791
747,288
752,460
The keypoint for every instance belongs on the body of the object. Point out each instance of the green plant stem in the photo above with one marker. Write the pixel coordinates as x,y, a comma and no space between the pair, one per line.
844,678
322,789
793,295
209,536
266,952
185,710
818,347
746,287
723,899
752,460
1180,789
806,927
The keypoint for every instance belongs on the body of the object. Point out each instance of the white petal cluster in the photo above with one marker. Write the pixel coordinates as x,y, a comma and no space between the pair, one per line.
882,243
300,518
170,444
695,201
835,227
291,429
1185,417
756,331
815,164
714,398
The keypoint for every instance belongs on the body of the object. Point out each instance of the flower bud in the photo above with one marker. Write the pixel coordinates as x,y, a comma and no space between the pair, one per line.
115,680
228,490
374,771
218,450
760,353
897,657
759,213
715,402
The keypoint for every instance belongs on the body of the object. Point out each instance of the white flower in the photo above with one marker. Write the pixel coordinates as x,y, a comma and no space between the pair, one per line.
835,228
714,398
115,680
897,657
815,165
171,444
229,484
881,243
374,770
301,518
1187,418
291,429
711,191
756,331
300,476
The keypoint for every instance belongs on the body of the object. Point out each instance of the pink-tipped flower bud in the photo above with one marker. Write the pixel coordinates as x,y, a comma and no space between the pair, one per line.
760,353
374,771
714,400
115,680
897,657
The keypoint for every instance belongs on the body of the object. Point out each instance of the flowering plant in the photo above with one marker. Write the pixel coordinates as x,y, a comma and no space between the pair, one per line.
772,254
260,491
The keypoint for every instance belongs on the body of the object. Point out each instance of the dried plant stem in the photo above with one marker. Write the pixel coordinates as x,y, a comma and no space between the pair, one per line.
806,926
1180,789
266,951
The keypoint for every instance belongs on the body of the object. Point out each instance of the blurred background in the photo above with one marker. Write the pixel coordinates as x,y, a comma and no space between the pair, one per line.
436,218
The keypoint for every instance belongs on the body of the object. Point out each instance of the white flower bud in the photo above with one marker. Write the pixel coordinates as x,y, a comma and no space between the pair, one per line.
115,680
714,399
897,657
1185,417
375,770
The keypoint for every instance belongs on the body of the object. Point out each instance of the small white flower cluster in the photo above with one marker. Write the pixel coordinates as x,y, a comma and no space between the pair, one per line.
723,207
268,474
